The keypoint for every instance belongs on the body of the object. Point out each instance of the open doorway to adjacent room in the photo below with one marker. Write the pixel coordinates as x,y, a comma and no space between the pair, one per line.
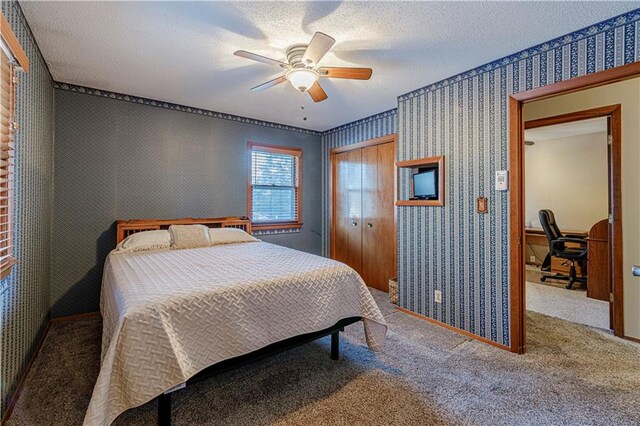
611,95
566,218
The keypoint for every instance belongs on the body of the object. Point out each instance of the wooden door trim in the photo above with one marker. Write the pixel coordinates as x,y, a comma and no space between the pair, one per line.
571,117
516,199
370,142
613,75
332,193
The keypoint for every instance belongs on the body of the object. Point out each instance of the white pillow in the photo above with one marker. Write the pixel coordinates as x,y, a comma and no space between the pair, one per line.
229,235
146,240
189,236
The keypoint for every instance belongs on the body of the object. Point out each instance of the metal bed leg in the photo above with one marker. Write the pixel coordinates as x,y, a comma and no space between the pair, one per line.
164,409
335,345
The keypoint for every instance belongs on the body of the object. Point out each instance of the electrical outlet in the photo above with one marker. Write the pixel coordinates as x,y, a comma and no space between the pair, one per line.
438,296
532,259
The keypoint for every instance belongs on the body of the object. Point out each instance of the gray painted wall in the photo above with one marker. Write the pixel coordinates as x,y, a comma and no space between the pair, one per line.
24,294
121,160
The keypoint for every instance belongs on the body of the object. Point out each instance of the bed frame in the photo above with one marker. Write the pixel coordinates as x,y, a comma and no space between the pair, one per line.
124,228
164,400
128,227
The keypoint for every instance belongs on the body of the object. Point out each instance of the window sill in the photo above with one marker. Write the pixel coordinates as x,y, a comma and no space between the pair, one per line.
274,226
7,268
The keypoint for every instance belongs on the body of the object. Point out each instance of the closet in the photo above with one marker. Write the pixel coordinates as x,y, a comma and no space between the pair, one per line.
363,229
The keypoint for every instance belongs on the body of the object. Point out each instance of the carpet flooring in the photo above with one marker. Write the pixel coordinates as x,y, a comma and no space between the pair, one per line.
426,375
570,305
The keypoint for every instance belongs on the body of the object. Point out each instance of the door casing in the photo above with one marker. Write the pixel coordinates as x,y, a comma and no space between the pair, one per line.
332,179
516,196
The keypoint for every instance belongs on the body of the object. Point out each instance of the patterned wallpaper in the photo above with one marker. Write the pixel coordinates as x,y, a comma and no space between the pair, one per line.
464,118
177,107
24,294
122,159
100,176
371,127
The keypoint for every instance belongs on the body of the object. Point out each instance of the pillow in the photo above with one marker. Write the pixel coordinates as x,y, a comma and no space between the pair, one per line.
189,236
229,235
146,240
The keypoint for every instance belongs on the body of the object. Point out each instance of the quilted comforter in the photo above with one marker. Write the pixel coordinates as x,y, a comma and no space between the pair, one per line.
169,314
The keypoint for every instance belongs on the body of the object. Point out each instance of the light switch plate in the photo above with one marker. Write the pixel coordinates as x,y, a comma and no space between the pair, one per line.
437,296
502,180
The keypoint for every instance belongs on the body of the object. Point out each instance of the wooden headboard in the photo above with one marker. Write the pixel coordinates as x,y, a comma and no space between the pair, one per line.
127,227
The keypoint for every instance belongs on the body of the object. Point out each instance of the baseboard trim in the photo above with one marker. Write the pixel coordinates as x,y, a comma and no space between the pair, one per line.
16,394
454,329
633,339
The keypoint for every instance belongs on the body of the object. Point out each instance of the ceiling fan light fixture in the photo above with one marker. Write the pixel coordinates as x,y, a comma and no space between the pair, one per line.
302,78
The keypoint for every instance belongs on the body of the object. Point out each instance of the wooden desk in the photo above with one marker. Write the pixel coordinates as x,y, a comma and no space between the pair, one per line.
597,266
598,241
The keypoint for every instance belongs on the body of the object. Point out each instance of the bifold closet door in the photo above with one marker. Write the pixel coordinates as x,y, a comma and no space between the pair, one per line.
378,224
348,208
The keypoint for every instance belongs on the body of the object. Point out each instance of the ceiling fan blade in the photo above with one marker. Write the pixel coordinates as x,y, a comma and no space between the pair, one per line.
352,73
269,84
260,58
316,92
317,48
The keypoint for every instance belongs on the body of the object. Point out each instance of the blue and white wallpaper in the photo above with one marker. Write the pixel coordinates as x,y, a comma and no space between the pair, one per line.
464,118
371,127
24,294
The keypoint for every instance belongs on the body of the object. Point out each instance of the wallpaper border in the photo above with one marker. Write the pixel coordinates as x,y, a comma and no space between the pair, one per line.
70,87
362,121
553,44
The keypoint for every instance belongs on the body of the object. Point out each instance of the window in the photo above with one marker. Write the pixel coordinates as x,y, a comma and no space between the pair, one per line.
274,192
12,56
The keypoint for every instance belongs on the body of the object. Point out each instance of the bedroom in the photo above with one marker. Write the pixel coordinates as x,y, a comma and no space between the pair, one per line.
141,111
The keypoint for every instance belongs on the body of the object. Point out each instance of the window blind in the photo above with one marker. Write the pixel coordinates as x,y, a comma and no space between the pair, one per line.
274,186
7,128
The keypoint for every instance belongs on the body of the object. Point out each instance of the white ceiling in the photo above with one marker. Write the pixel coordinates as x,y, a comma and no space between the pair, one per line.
565,130
182,52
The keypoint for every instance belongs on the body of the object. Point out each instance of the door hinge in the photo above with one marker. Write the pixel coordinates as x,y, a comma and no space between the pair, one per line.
610,218
611,297
609,139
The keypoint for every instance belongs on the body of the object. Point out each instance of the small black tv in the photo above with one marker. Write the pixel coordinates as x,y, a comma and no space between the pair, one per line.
425,184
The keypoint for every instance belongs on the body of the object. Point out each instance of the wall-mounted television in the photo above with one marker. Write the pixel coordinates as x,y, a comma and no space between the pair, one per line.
425,184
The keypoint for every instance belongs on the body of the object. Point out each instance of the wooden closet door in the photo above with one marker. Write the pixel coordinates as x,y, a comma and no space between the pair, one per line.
348,209
378,224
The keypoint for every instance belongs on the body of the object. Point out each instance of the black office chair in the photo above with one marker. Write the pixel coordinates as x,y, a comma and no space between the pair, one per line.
558,248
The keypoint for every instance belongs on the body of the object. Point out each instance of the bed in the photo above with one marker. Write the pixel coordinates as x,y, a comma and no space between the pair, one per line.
172,317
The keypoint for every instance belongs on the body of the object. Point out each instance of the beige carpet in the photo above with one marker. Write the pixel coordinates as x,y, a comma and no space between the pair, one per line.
553,299
426,375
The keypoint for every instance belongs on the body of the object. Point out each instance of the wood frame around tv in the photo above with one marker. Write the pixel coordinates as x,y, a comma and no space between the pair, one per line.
415,165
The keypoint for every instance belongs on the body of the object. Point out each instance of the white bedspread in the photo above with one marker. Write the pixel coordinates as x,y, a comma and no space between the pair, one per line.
170,314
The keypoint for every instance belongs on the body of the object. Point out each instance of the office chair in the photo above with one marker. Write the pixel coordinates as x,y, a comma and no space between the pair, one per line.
558,248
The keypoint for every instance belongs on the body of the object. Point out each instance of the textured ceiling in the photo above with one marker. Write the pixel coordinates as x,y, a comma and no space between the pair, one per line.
182,52
565,130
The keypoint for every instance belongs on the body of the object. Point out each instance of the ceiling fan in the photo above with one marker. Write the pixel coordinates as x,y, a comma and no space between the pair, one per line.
302,69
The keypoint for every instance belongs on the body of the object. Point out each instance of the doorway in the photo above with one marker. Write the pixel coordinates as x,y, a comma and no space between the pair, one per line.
591,83
568,165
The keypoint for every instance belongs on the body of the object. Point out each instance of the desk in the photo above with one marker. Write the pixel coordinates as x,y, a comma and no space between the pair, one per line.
597,266
598,287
